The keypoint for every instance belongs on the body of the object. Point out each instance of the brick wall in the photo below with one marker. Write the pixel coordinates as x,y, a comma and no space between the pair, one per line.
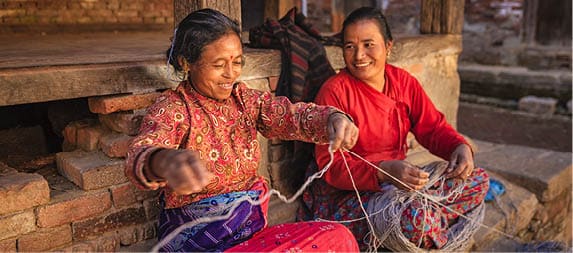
84,15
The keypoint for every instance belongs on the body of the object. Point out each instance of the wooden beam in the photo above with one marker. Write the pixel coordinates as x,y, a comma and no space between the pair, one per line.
231,8
442,16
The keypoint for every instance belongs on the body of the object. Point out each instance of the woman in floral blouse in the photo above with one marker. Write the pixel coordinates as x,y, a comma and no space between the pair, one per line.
198,144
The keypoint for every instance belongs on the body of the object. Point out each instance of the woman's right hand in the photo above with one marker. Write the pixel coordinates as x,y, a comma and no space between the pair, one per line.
412,176
181,169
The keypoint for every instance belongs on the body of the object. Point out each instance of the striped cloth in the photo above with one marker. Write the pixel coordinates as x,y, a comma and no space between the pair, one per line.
304,65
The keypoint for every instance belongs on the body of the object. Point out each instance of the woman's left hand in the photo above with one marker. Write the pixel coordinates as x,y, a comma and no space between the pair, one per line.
341,131
461,162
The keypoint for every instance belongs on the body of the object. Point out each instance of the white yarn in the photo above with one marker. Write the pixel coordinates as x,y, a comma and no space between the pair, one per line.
386,229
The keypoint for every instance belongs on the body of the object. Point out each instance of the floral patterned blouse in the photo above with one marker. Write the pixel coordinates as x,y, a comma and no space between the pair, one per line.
223,132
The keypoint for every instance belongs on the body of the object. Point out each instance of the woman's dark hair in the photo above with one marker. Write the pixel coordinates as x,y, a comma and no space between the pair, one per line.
369,13
197,30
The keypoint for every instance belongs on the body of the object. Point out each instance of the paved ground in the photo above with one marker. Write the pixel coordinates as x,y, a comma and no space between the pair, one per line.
504,126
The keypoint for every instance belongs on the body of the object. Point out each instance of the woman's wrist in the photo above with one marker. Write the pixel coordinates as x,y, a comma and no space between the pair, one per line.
150,171
379,174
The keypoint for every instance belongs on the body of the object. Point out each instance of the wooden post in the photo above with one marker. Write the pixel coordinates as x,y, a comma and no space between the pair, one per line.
276,9
442,16
231,8
337,15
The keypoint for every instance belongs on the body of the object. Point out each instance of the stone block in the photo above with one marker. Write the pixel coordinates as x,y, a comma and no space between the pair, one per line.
20,191
538,105
72,207
115,144
260,63
123,122
115,103
88,137
100,225
258,84
45,238
518,207
91,170
543,172
17,224
518,76
123,195
273,83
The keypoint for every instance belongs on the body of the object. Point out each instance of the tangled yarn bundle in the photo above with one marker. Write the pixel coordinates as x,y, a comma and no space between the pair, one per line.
391,203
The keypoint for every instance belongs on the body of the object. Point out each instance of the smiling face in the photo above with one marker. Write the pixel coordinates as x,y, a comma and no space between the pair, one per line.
365,52
219,65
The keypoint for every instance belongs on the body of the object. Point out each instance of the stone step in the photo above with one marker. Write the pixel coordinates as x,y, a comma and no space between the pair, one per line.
543,172
511,214
514,82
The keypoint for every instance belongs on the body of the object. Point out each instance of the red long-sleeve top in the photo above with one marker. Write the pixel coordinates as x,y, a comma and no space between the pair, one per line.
384,119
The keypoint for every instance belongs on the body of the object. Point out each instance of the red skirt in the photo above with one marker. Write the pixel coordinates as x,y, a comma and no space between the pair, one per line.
300,237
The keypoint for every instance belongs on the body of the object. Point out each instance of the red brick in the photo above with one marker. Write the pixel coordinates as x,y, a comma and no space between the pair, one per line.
115,144
123,195
45,239
91,170
88,137
17,224
123,122
107,243
109,104
19,191
137,233
100,225
70,132
8,245
273,82
73,209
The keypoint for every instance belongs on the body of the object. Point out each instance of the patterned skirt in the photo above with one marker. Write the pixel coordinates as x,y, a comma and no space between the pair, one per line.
322,201
228,223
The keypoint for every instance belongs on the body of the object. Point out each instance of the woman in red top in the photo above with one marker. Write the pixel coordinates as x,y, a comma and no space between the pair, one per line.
386,103
198,143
